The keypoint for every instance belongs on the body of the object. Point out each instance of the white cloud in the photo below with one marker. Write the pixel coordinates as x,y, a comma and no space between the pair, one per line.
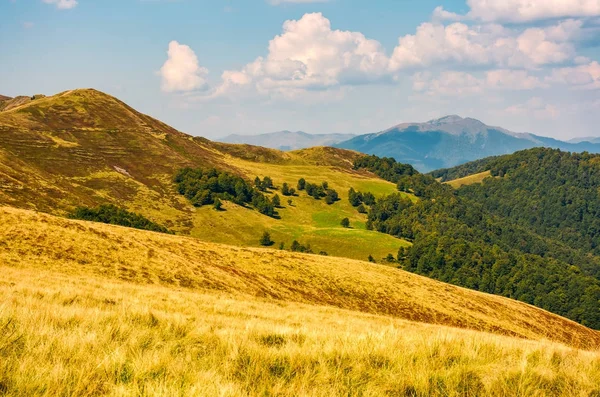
440,14
531,10
487,45
581,77
512,80
182,72
62,4
535,107
447,84
460,84
309,55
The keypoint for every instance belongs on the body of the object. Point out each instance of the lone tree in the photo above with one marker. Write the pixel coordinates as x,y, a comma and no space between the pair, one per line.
345,222
371,259
217,205
276,201
265,240
301,184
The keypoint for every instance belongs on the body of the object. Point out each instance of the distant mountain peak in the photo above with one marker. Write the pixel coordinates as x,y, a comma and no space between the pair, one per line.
453,118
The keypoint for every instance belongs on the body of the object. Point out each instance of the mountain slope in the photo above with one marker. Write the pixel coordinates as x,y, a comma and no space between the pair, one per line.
83,147
528,233
42,242
288,140
91,309
450,141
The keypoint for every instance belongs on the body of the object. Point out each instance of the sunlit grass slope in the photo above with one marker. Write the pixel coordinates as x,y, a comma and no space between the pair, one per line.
469,180
83,147
37,241
91,309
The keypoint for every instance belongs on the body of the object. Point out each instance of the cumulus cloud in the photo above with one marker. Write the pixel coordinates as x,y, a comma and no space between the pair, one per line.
451,83
513,80
531,10
440,14
62,4
459,84
581,77
181,71
309,55
491,44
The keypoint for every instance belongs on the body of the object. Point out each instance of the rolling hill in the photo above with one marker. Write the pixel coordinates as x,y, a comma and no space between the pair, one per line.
83,147
450,141
99,309
288,140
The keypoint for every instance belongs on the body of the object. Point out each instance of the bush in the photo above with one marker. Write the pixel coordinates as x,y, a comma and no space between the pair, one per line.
345,223
114,215
265,240
301,184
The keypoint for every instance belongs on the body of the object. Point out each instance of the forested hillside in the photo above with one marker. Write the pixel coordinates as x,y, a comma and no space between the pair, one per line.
527,234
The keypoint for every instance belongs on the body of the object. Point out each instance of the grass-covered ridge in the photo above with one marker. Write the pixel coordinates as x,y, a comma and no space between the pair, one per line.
82,249
86,148
180,317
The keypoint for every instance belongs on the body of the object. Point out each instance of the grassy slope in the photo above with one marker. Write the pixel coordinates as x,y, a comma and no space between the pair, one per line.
85,147
34,240
469,180
95,309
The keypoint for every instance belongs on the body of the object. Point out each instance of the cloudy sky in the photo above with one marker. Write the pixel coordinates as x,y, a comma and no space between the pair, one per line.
216,67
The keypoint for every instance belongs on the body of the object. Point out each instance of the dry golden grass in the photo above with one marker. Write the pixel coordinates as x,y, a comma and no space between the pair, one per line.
90,309
31,240
469,180
66,335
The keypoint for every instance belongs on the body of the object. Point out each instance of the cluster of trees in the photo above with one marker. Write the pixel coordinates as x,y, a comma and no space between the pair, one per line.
359,200
385,167
264,185
114,215
286,190
481,238
210,186
319,191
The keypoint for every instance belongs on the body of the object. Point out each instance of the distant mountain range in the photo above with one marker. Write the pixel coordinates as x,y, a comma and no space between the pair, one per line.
440,143
288,140
590,139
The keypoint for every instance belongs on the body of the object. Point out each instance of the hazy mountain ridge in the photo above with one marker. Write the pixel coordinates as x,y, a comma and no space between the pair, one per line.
287,140
451,141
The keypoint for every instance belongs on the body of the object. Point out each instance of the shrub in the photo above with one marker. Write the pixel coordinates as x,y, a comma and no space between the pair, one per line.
265,240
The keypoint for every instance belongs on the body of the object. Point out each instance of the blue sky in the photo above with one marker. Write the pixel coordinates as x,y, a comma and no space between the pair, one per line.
217,67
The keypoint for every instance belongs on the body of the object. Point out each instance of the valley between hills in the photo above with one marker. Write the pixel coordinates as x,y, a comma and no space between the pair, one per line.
461,297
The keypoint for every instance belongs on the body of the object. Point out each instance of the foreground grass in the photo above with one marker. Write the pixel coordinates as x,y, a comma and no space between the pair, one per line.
30,240
77,336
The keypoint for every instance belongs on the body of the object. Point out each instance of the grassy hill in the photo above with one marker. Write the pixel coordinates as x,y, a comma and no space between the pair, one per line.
84,147
97,309
469,180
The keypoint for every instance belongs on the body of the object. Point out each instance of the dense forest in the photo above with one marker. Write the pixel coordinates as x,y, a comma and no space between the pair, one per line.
205,186
470,238
114,215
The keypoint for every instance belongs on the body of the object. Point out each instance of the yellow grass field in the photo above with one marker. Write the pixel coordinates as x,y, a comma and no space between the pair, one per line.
93,309
469,180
